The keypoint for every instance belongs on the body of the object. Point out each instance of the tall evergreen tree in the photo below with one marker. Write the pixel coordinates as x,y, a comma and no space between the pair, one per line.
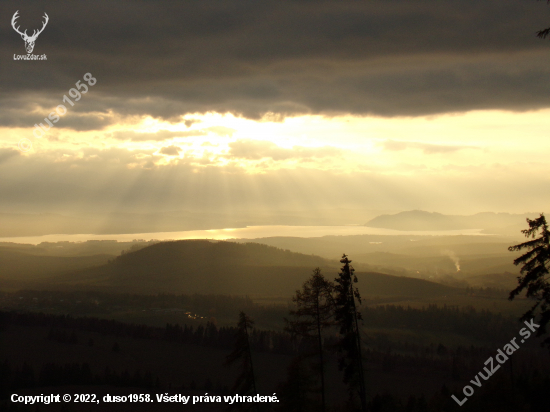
314,312
534,271
543,34
292,393
245,383
349,346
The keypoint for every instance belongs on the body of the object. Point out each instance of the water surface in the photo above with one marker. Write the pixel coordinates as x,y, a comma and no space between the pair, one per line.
250,232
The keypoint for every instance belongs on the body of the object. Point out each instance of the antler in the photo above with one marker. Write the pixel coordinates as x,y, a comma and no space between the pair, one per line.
15,17
35,34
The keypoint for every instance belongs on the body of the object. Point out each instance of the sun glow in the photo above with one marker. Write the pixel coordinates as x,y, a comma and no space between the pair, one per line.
450,143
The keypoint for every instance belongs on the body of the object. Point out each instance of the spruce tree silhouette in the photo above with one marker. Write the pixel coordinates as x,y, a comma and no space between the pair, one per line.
349,346
534,271
543,34
314,312
245,383
293,392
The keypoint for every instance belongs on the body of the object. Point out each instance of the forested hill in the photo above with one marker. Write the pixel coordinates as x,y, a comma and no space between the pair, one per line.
201,252
200,266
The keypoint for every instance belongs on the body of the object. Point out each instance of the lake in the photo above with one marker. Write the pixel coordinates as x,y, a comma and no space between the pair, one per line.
250,232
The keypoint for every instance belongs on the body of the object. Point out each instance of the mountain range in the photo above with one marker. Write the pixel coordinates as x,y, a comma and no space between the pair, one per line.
488,222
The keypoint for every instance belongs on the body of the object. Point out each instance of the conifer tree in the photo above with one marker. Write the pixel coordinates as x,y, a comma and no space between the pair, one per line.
245,383
314,312
292,393
543,34
534,271
349,346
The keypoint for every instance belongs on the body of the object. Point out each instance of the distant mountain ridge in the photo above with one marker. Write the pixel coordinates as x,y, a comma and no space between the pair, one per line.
421,220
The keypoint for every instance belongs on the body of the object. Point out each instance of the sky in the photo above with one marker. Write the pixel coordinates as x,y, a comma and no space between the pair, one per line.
219,107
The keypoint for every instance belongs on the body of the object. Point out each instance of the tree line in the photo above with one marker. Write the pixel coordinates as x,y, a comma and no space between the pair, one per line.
320,305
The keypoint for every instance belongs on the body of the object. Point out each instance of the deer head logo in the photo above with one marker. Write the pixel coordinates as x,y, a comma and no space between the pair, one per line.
29,40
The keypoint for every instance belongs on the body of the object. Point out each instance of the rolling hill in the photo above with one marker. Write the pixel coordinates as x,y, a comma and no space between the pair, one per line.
200,266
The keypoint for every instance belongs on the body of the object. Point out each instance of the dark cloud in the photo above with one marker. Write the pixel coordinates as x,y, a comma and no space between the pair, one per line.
427,148
257,149
190,122
170,150
29,108
166,59
84,122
